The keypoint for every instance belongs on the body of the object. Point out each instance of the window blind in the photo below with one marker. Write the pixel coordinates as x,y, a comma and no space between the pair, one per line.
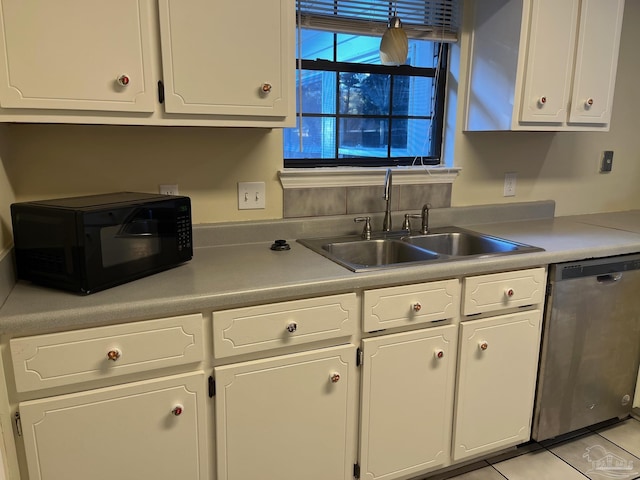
421,19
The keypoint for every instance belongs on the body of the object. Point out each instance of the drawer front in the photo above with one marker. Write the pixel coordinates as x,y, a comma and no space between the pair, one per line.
410,304
65,358
264,327
499,291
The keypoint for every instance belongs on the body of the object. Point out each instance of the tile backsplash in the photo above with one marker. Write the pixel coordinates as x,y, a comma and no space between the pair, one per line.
322,201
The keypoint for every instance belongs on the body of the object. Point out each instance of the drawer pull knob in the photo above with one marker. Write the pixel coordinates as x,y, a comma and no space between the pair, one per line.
417,307
335,377
484,345
439,354
177,410
509,292
292,327
114,354
266,88
123,80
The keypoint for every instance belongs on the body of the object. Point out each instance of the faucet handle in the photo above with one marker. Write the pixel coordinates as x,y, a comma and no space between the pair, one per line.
366,231
406,225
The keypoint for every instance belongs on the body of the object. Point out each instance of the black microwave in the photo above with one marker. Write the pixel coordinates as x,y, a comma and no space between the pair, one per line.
86,244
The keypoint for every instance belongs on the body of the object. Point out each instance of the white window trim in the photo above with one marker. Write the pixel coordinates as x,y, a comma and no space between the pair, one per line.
363,176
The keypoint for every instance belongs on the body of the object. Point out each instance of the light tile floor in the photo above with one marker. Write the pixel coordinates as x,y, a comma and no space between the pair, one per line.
599,453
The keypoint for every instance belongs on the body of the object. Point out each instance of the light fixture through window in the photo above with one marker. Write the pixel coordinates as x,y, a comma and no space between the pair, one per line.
394,45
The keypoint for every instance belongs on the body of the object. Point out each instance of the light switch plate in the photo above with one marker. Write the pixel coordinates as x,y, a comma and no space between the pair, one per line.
251,195
607,161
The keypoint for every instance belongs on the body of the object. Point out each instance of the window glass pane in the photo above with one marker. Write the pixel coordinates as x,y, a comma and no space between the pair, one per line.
364,94
318,92
318,138
316,44
363,137
422,54
358,49
412,96
410,138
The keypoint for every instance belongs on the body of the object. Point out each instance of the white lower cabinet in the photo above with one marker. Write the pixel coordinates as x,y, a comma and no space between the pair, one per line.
498,361
153,429
407,402
288,417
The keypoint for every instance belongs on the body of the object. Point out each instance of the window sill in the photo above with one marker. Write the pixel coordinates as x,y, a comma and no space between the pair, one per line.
365,176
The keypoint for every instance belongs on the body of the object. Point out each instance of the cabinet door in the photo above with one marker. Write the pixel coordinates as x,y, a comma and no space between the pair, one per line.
497,371
228,57
288,417
128,431
69,55
596,61
549,61
407,400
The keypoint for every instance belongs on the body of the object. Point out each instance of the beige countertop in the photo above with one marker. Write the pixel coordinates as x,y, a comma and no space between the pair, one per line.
227,276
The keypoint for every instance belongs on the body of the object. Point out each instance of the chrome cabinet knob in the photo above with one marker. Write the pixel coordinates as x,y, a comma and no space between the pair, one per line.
123,80
417,307
177,410
483,345
114,354
335,377
292,327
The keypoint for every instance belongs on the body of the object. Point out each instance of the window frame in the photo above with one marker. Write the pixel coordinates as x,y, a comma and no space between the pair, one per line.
436,118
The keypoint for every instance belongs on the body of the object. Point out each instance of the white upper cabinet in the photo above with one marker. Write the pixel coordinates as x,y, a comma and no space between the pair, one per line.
543,64
70,55
219,58
148,62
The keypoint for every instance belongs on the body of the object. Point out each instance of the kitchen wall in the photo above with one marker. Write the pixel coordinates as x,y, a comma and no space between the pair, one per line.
44,161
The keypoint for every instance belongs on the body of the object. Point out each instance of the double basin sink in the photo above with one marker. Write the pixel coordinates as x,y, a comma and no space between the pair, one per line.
401,248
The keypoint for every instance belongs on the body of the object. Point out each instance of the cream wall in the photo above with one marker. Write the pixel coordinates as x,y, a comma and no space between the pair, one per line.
44,161
559,166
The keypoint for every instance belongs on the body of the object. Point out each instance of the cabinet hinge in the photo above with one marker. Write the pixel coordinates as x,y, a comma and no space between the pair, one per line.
212,387
160,91
356,470
18,423
549,288
359,357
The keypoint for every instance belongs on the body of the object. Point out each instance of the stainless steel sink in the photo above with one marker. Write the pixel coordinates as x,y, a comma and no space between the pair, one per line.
465,243
376,253
399,248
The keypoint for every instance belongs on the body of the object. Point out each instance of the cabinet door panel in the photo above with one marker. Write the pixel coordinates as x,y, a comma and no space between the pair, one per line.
72,56
407,398
284,418
547,78
127,431
596,61
216,57
496,384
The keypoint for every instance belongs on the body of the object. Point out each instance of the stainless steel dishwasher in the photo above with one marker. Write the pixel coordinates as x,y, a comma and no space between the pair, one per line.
590,345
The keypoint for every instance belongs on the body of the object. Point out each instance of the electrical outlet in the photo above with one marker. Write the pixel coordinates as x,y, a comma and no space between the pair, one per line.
510,184
606,163
166,189
251,195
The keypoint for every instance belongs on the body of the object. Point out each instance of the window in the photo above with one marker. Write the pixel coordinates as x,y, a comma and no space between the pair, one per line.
354,111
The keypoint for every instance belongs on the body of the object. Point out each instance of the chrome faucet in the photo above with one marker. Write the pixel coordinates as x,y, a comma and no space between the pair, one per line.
386,225
425,219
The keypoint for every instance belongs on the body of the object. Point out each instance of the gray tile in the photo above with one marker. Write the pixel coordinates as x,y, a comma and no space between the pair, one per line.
370,200
538,465
312,202
596,457
412,197
625,434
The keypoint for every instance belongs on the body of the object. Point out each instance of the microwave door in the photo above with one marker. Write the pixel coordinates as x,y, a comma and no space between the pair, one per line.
135,239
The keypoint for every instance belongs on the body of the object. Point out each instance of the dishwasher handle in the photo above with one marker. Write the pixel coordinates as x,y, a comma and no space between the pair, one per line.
609,278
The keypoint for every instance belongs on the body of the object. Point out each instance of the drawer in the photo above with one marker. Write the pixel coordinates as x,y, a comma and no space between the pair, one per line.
499,291
411,304
265,327
65,358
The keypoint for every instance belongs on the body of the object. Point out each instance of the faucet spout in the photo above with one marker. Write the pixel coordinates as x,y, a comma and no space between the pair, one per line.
386,225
